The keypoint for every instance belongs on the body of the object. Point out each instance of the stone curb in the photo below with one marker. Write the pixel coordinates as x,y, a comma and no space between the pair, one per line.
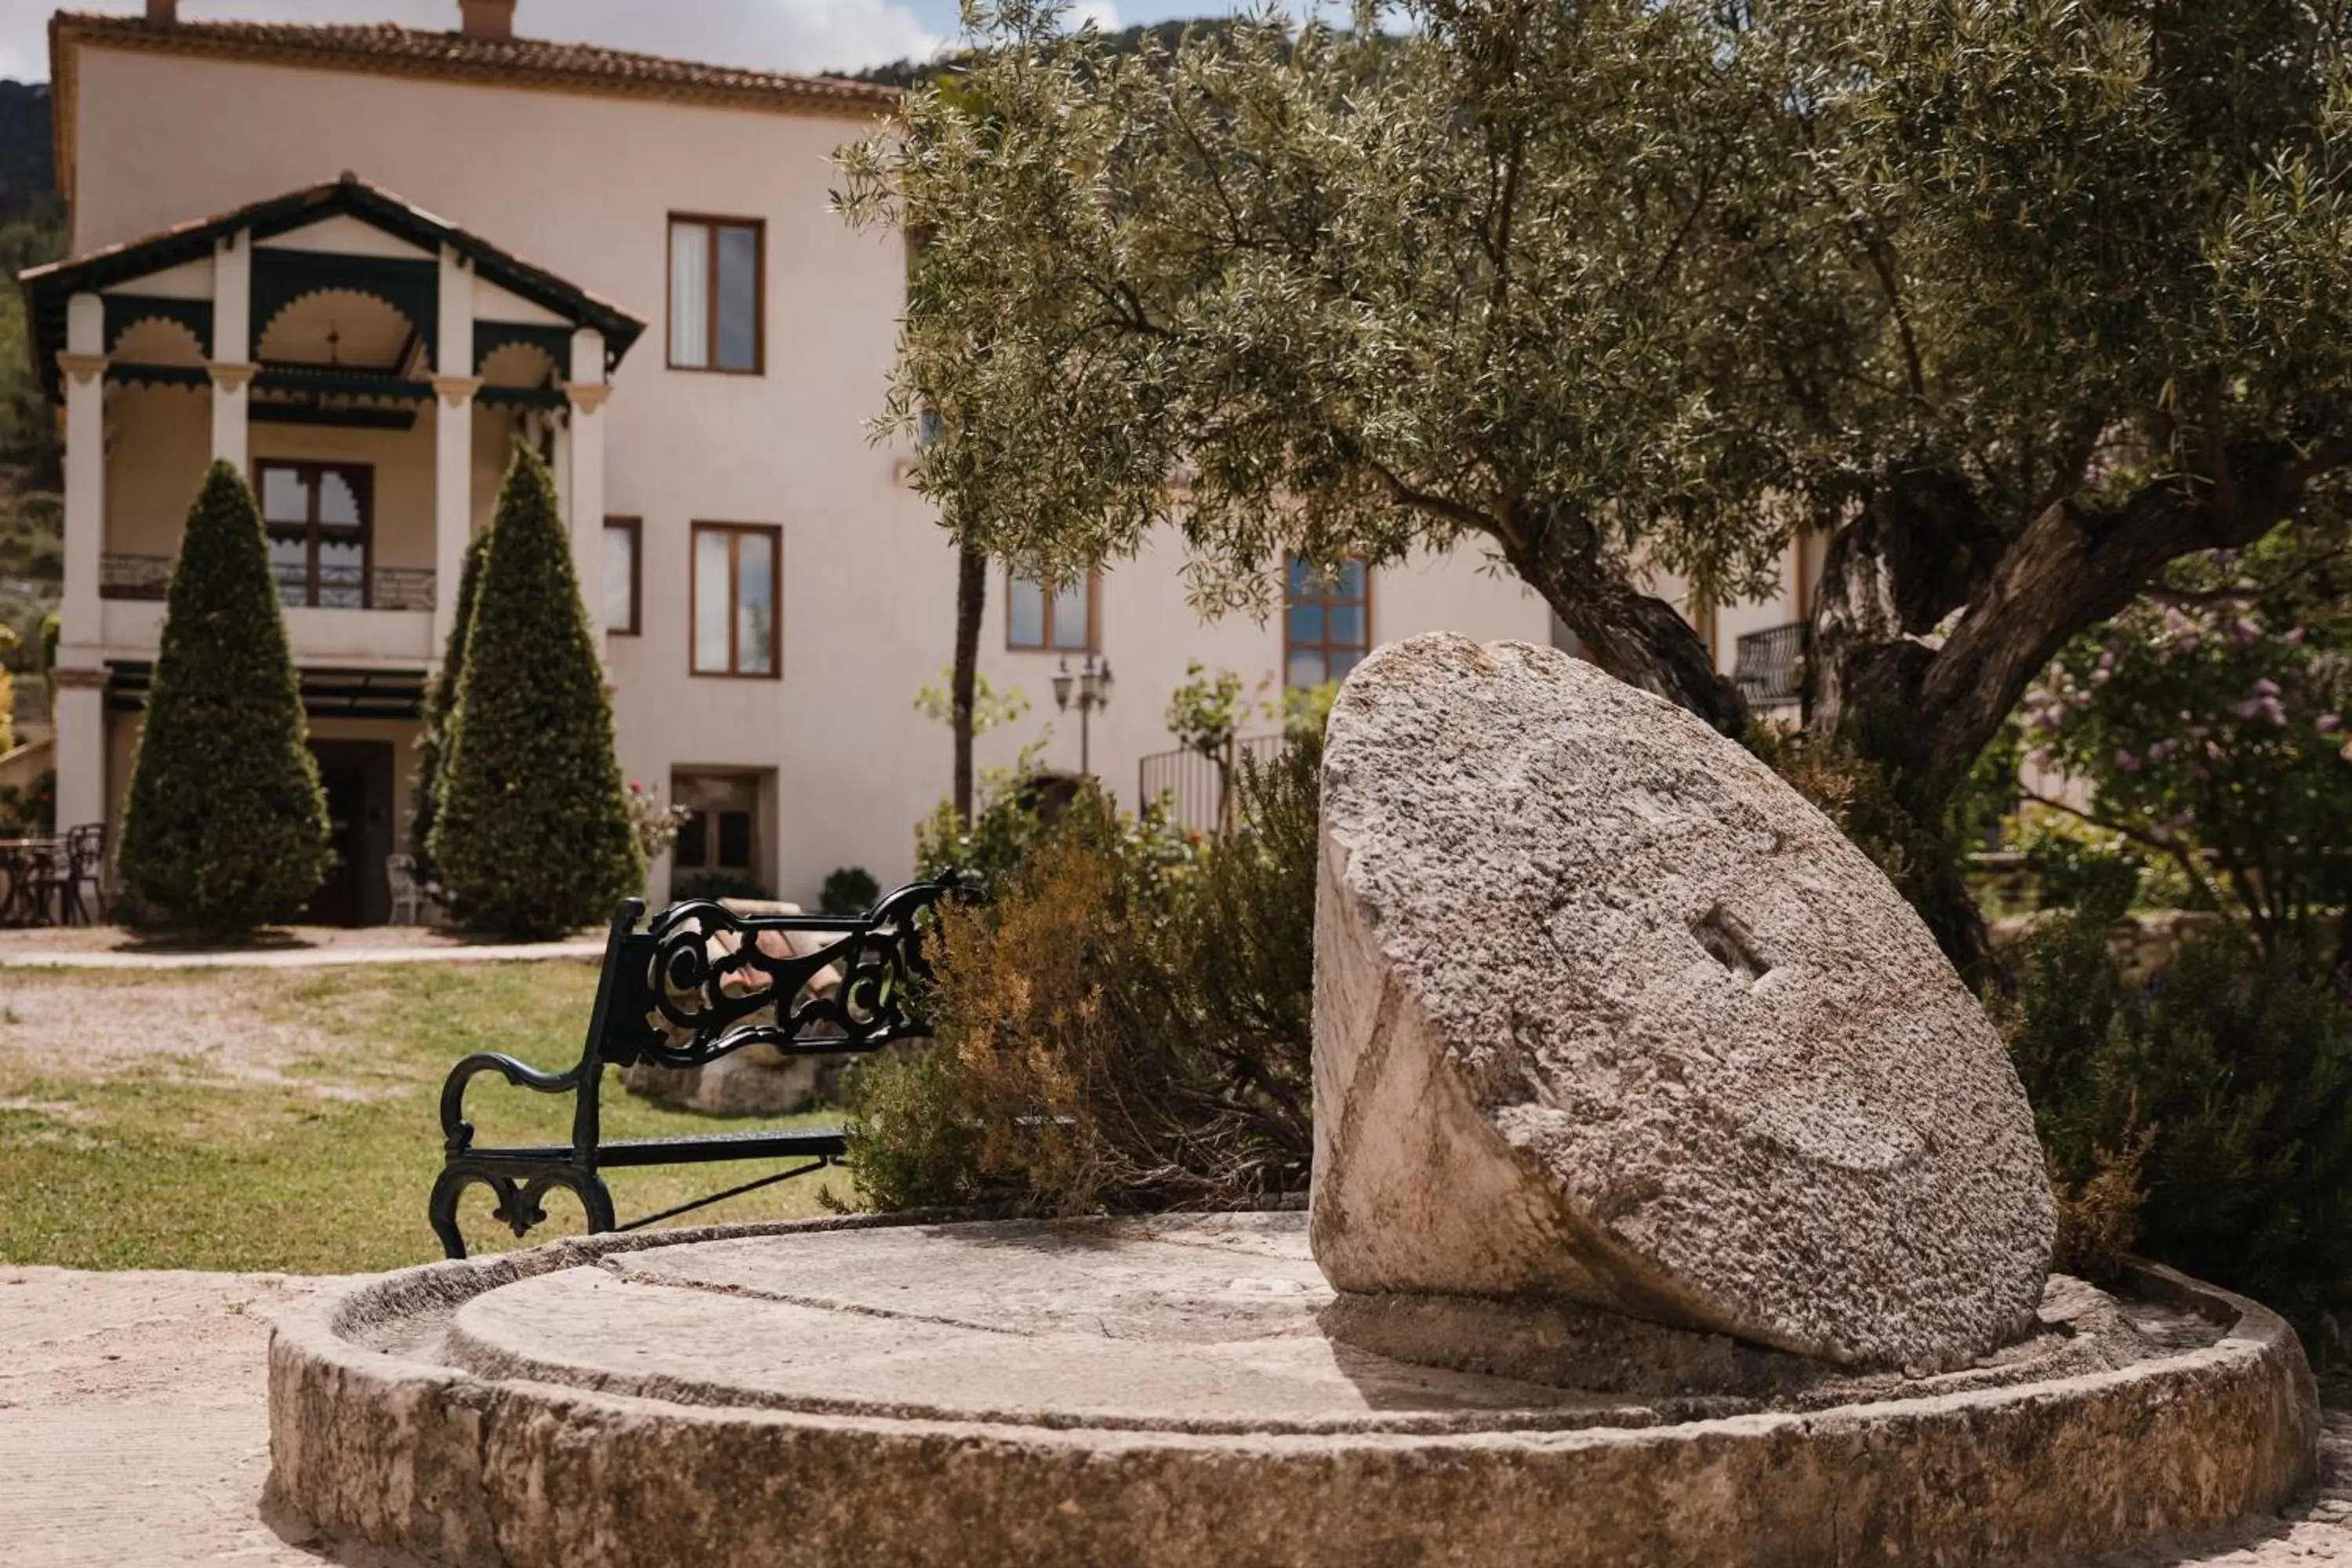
379,1443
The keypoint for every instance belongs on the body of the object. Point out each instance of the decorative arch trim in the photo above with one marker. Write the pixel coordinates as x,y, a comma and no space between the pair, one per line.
124,312
283,277
554,342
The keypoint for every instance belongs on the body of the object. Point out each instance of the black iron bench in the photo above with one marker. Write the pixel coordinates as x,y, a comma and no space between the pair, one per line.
695,985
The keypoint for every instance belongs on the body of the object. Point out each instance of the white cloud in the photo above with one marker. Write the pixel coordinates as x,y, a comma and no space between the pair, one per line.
767,35
1103,13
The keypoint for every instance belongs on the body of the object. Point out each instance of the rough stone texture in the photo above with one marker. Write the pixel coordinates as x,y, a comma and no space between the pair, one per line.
134,1429
1605,1010
1161,1393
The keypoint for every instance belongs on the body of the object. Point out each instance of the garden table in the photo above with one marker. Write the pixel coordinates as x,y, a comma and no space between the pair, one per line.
29,869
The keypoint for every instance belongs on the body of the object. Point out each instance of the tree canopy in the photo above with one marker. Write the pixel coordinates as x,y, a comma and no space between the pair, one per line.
2014,303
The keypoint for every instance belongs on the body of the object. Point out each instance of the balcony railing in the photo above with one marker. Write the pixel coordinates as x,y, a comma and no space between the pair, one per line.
1190,784
1769,668
124,576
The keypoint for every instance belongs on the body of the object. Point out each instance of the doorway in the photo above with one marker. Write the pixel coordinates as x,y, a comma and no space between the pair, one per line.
357,778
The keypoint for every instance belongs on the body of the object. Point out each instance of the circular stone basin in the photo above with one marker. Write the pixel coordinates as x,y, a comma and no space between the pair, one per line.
1189,1390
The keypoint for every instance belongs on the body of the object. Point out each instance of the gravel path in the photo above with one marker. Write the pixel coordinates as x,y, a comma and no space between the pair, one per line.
134,1420
133,1431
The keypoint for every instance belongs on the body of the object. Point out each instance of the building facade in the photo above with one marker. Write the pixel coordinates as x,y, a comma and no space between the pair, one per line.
361,262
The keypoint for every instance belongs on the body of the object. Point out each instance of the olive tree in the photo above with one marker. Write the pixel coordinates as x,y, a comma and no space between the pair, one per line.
2010,305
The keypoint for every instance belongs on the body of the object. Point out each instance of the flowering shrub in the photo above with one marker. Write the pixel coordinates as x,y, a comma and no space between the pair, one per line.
2209,720
1124,1023
655,825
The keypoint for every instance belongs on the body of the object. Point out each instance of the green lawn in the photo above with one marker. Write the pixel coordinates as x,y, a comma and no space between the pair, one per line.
287,1120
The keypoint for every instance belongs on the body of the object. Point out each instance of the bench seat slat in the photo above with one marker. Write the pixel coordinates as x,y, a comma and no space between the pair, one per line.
627,1152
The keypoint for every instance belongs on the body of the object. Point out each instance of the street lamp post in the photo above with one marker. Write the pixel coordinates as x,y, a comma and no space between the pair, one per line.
1093,682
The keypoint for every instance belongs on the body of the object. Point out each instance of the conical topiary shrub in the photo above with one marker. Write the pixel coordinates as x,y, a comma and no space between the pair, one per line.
226,825
440,701
532,835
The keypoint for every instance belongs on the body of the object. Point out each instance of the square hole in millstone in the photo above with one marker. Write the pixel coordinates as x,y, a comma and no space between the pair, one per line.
1730,942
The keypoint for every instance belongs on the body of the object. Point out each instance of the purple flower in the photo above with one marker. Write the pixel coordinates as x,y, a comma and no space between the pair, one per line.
2265,688
2246,632
2294,636
2265,709
2328,724
2162,750
2126,761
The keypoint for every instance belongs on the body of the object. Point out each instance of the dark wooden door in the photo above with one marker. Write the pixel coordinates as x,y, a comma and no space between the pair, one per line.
357,776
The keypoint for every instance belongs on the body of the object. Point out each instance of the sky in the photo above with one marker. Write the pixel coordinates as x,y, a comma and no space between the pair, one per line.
772,35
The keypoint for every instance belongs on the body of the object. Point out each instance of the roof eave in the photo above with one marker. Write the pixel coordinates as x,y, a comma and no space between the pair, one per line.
48,285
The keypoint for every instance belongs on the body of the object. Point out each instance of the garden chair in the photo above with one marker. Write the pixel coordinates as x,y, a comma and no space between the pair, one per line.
82,865
408,899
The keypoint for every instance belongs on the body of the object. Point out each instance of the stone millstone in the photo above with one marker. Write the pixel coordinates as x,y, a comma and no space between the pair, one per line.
1605,1010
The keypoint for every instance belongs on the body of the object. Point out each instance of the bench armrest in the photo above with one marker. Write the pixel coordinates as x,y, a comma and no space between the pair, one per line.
457,1132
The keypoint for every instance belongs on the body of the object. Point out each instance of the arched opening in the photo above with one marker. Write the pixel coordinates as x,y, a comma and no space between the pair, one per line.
344,329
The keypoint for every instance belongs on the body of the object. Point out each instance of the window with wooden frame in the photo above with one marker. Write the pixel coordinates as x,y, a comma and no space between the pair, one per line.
317,516
737,582
1068,619
717,303
624,560
1326,621
720,828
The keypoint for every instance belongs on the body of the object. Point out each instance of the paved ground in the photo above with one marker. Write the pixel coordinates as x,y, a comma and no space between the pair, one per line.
134,1425
132,1432
290,947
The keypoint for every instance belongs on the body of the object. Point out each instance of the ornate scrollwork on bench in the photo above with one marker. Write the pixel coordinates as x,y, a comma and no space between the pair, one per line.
717,981
700,982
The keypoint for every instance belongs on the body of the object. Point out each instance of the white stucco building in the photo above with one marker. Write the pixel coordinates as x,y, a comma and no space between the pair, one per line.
360,261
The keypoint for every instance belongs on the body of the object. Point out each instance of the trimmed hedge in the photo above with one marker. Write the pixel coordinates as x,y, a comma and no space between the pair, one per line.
226,827
533,835
440,702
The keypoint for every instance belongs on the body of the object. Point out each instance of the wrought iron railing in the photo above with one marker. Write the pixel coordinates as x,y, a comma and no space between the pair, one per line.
1191,786
148,577
1769,667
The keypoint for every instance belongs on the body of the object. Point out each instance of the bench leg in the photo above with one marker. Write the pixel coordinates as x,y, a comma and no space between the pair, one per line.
518,1189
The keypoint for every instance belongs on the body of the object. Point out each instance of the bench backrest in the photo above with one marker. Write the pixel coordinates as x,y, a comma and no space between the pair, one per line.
701,980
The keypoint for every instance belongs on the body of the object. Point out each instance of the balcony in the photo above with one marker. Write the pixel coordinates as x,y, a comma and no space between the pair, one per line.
1769,667
382,616
147,577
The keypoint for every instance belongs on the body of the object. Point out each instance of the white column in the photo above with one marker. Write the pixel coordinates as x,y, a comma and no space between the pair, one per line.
232,368
83,363
78,710
453,441
587,391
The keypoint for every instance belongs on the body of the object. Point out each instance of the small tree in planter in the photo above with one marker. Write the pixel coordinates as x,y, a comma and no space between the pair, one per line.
439,703
533,835
226,825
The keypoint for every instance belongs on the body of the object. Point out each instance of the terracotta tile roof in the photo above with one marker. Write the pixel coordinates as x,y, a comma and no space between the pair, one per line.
385,49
